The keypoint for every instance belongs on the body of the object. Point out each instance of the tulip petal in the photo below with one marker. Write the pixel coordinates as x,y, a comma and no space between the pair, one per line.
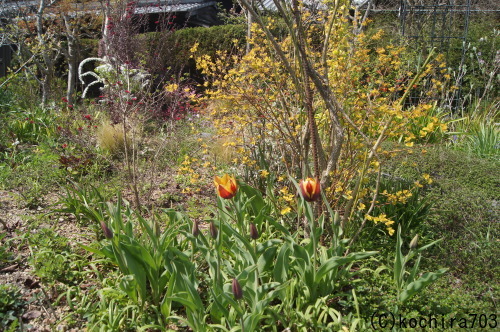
310,189
224,193
317,189
254,233
226,186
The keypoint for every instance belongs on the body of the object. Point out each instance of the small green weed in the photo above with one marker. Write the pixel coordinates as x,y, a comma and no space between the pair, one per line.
53,258
11,306
32,172
33,125
5,255
86,203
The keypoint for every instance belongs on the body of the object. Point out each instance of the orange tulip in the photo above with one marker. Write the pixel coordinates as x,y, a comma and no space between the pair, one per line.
310,189
226,186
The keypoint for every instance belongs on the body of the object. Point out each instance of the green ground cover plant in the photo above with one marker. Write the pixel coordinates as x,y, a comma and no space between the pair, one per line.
11,306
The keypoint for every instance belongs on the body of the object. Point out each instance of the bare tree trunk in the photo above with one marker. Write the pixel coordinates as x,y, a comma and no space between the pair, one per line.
320,83
70,54
250,20
105,31
358,19
47,67
72,67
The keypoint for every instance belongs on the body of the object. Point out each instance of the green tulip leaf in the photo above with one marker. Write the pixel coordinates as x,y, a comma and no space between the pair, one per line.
425,280
334,262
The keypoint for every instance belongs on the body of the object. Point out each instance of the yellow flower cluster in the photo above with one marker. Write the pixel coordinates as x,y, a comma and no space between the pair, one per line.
286,199
188,175
401,196
382,218
427,178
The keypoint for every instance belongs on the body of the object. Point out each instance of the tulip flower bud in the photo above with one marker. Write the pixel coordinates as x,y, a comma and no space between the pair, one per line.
336,218
213,230
108,233
414,242
226,186
310,189
254,233
196,229
237,291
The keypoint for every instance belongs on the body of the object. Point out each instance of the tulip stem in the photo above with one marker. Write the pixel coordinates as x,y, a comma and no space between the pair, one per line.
193,252
238,219
219,242
241,322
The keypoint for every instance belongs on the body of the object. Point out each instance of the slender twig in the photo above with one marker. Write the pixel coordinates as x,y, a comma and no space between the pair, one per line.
370,209
373,150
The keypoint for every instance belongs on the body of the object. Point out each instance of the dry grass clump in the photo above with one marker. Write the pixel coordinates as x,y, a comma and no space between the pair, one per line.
223,150
111,138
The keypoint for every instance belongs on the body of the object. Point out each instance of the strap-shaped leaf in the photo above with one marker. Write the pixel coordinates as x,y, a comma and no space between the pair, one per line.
398,261
419,250
136,268
300,252
140,253
229,230
258,202
192,293
129,285
166,305
250,321
418,285
184,301
414,270
218,308
278,226
334,262
266,260
280,271
267,244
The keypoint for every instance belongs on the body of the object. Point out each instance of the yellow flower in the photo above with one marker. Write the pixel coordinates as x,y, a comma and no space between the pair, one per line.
427,178
171,87
264,173
226,186
286,210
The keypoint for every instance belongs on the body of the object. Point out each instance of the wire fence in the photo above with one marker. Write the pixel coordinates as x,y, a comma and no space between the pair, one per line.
442,25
